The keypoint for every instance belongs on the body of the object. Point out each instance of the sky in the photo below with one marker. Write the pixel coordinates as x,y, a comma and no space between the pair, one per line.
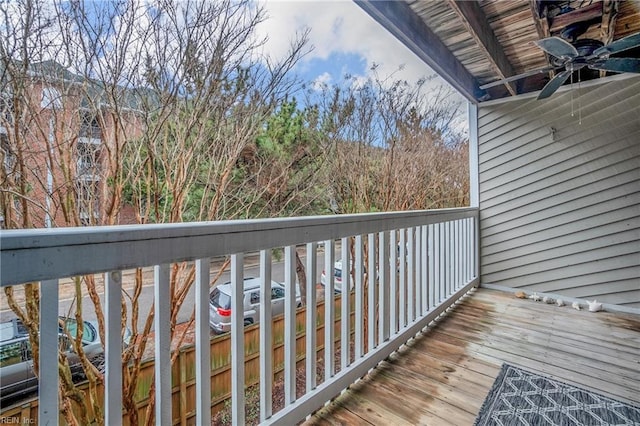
344,38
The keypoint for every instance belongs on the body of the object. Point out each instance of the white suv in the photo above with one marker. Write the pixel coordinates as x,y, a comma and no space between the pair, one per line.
337,277
220,303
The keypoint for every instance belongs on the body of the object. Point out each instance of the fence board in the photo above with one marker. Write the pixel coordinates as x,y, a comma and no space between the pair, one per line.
183,390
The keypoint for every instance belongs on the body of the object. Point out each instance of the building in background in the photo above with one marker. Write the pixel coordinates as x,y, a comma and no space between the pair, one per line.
60,138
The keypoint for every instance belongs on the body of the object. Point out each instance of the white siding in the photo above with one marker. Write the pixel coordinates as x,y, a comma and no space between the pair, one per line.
560,199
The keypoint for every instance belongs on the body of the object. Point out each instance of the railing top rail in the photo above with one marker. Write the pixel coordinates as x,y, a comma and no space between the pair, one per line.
37,254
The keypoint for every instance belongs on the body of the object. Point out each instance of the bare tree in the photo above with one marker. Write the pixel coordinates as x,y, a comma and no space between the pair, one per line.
174,93
397,146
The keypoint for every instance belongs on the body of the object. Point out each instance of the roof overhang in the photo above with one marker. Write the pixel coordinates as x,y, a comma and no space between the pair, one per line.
472,43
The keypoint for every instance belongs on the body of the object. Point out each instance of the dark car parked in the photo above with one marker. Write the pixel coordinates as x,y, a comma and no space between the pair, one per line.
17,378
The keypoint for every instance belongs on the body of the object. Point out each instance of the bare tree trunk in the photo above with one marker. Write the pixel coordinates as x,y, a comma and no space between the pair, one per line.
302,279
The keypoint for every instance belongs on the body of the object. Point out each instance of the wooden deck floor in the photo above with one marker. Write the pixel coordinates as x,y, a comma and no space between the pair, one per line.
443,376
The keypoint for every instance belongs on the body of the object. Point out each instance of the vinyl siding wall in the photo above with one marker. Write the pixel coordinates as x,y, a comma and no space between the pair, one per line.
560,200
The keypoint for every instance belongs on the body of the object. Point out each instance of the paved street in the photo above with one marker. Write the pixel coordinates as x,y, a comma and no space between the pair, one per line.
67,306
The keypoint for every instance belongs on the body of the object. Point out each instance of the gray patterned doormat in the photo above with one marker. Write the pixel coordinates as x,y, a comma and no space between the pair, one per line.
519,397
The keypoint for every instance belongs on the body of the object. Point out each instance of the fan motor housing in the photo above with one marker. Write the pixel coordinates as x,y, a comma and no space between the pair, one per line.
585,47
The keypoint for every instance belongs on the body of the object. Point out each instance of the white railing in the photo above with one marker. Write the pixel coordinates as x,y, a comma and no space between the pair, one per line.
423,261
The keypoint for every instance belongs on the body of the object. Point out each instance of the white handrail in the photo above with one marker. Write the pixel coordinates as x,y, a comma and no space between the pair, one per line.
419,263
38,254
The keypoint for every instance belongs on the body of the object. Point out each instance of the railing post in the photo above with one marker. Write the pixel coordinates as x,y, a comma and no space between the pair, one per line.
476,247
48,359
359,284
425,270
438,262
469,249
383,288
203,344
454,264
465,252
266,338
345,296
237,339
393,283
459,246
447,259
411,273
418,272
454,256
162,303
290,325
432,268
311,314
329,309
113,348
443,259
403,279
371,294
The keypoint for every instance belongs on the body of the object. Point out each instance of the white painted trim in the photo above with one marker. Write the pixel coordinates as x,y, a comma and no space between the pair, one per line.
371,293
359,348
583,85
113,348
425,268
393,283
329,309
162,313
417,271
431,279
311,317
345,295
403,279
48,358
379,270
569,300
290,325
411,252
203,344
237,339
38,254
474,170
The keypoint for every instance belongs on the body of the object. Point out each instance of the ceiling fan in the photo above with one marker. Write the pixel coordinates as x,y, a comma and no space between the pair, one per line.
573,57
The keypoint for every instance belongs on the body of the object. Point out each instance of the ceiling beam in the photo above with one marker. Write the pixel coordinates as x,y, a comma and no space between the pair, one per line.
401,21
608,27
586,13
542,26
475,21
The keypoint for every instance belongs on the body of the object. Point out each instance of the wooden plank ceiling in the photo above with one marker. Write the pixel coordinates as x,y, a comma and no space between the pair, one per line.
472,43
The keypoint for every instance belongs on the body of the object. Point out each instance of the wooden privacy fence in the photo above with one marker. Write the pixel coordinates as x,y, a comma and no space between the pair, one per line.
184,370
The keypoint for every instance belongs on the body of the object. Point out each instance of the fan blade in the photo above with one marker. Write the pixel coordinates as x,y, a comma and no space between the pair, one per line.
516,77
628,42
557,47
618,65
555,83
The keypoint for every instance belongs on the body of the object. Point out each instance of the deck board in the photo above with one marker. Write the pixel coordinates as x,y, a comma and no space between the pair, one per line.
443,375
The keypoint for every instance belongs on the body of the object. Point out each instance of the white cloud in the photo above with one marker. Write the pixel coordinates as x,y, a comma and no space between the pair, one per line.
321,81
339,27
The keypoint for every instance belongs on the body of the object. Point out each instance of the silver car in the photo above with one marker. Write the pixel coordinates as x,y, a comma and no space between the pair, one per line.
220,303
